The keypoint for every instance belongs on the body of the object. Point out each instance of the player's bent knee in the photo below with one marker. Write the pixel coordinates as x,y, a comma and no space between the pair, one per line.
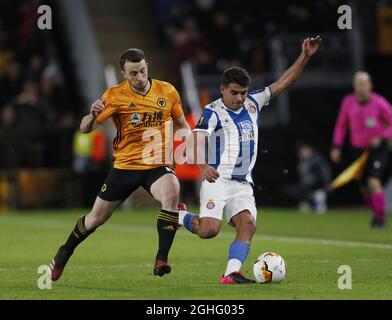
208,233
170,196
248,227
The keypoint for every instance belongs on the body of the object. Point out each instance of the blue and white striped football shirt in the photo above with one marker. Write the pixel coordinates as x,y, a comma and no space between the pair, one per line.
233,135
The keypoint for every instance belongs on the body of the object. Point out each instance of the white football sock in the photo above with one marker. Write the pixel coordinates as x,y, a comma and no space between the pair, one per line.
233,265
181,215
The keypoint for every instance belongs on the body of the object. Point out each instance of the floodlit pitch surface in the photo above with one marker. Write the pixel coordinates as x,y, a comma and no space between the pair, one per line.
116,261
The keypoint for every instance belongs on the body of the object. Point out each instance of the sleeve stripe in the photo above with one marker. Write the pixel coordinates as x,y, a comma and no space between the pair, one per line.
208,121
216,119
261,96
254,101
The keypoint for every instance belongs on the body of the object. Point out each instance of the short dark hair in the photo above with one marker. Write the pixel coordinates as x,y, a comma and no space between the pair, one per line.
236,75
132,55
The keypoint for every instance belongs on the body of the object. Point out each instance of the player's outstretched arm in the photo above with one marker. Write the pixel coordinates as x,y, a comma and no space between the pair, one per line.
89,123
309,48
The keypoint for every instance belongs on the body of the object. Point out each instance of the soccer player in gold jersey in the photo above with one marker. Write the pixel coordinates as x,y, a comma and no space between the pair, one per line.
142,110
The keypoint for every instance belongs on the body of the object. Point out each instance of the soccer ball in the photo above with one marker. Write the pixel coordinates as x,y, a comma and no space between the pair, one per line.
269,267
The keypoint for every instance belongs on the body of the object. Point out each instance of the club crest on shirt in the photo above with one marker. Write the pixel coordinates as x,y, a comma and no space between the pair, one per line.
161,102
251,108
210,204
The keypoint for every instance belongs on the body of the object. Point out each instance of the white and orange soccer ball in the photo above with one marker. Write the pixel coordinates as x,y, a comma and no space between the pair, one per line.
269,267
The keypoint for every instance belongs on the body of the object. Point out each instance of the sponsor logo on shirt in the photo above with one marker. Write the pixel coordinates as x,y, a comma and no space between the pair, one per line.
147,119
247,132
135,117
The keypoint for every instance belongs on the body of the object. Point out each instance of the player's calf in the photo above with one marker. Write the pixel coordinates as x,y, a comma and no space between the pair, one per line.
167,225
238,252
78,234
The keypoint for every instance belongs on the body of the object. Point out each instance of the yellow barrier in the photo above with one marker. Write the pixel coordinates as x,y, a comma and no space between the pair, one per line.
4,195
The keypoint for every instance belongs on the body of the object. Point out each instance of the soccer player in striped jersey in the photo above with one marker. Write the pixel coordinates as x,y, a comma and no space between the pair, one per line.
141,108
231,126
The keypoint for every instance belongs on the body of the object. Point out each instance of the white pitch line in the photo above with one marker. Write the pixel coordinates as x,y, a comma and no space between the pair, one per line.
311,241
225,234
110,266
343,243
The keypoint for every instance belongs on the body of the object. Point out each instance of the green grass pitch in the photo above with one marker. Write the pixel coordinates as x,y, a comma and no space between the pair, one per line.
116,261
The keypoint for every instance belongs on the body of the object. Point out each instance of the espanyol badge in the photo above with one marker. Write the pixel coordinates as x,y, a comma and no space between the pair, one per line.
251,108
210,204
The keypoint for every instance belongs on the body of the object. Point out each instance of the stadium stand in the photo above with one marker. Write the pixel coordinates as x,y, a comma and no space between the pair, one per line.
49,78
38,103
213,35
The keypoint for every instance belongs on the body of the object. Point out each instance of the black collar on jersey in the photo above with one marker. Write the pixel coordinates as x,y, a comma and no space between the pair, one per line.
143,95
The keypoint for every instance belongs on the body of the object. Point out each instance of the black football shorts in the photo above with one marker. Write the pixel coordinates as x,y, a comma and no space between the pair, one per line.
120,183
376,163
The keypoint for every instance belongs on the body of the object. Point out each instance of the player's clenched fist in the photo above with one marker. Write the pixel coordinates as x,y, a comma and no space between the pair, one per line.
97,108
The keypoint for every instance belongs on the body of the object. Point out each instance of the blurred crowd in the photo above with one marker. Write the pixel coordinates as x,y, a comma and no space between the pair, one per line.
216,34
37,120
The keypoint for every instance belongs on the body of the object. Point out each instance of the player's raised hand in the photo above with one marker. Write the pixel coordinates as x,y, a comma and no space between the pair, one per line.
97,107
311,45
208,173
